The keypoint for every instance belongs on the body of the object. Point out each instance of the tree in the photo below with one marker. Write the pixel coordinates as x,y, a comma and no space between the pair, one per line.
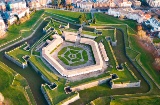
139,27
141,34
51,37
58,2
60,6
67,7
18,20
82,18
71,7
27,15
53,2
63,2
121,17
94,21
8,23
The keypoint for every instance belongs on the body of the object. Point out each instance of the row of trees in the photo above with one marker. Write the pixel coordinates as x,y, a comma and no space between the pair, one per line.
61,4
22,20
58,2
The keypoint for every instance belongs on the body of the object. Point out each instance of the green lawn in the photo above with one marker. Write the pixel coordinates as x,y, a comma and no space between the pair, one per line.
73,55
131,53
67,15
21,52
156,40
124,76
84,31
146,59
101,101
109,32
58,94
13,89
136,101
38,63
106,19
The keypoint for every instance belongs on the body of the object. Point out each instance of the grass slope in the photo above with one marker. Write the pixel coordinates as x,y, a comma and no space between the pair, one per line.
38,63
14,30
67,15
12,86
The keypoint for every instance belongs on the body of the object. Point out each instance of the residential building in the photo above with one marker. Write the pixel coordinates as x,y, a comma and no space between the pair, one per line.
33,3
153,3
129,13
136,3
38,3
155,23
16,5
2,6
21,13
2,27
100,4
43,2
123,3
111,4
85,5
9,16
68,2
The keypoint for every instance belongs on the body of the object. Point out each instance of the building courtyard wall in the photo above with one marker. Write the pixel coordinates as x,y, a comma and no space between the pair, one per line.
79,71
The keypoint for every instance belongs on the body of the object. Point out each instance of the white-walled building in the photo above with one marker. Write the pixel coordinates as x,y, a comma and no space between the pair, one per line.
129,13
2,27
153,3
2,6
103,52
155,23
16,5
38,3
123,3
22,12
11,19
85,5
136,3
70,36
